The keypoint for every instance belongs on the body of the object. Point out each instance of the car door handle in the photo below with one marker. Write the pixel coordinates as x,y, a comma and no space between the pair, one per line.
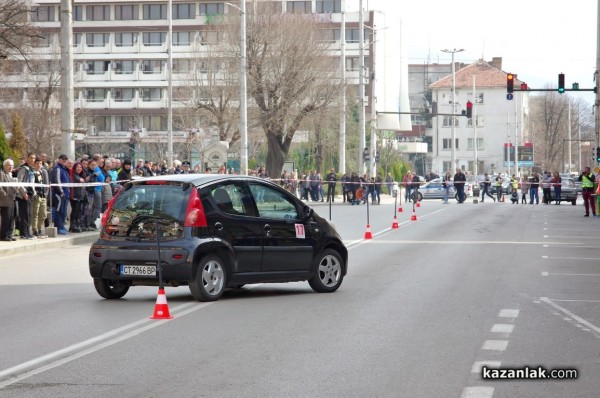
267,229
218,226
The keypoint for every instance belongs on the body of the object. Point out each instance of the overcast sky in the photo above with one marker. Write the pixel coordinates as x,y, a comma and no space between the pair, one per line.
537,39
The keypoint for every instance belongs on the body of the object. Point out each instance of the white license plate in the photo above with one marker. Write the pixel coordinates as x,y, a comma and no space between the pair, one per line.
138,270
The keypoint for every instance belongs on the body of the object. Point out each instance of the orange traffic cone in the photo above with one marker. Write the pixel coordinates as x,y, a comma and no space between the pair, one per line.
395,223
418,203
161,309
400,209
414,216
368,234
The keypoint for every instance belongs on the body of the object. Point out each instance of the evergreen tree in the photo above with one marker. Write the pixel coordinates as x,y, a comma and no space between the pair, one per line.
17,142
5,151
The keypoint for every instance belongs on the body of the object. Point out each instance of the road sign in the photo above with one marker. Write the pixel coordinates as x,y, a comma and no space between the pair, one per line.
509,96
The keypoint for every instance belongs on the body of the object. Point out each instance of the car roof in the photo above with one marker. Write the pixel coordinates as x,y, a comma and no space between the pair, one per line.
199,179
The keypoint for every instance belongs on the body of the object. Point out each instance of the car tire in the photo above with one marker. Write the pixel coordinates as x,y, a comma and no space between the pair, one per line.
418,195
110,289
211,279
328,273
574,202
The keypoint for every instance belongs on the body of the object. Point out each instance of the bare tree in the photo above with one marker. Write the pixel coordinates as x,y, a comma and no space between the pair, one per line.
16,32
291,74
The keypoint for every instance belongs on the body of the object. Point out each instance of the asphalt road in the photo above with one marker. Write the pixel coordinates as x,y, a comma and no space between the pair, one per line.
421,309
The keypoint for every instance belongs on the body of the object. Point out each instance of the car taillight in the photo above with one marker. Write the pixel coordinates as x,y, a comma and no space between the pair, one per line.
194,214
104,218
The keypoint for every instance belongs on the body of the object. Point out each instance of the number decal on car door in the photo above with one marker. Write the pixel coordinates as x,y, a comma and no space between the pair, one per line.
300,231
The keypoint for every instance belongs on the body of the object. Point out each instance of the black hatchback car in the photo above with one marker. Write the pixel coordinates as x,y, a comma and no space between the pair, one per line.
211,232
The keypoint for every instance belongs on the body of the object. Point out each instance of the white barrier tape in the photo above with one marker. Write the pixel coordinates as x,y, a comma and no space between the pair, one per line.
66,185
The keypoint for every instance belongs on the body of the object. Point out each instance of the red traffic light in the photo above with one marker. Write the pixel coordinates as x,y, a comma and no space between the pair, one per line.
469,109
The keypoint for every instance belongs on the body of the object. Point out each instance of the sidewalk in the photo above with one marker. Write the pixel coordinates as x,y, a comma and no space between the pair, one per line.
29,245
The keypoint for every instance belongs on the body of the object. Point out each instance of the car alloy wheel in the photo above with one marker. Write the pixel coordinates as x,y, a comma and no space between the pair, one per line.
328,276
210,281
110,289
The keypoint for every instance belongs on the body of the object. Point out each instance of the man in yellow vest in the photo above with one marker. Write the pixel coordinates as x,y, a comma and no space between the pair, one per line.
587,191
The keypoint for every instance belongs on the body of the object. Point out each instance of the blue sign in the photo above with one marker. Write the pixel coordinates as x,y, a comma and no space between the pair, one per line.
509,96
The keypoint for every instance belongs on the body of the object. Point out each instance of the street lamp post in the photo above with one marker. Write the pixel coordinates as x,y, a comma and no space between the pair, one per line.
453,142
243,89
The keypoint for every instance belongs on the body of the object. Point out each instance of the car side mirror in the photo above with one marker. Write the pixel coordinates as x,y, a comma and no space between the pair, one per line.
307,212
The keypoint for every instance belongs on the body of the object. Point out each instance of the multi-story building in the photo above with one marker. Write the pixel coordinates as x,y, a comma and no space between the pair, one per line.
121,73
497,127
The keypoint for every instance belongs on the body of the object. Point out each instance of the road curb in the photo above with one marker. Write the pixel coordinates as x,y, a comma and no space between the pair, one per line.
22,246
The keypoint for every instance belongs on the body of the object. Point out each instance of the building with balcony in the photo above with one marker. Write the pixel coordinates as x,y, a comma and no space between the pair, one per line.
121,69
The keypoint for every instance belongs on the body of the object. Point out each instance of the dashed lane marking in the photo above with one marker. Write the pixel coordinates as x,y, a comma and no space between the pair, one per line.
508,313
502,328
495,345
566,274
477,392
570,258
476,368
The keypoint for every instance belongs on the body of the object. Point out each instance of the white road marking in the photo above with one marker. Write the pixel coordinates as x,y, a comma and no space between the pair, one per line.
477,365
572,258
570,237
572,315
477,392
502,328
507,313
567,274
581,301
495,345
89,346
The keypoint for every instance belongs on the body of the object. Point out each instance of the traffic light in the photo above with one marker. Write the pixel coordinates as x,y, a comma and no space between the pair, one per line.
469,109
510,83
561,83
366,155
598,154
524,87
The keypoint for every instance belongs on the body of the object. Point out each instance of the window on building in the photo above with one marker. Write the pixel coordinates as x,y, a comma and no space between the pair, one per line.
155,122
299,7
182,38
447,121
96,67
77,39
480,145
154,38
151,93
353,63
447,166
97,39
123,94
155,11
43,41
126,39
212,8
324,6
77,13
331,35
43,14
102,123
123,67
210,37
124,123
268,7
97,13
478,123
182,65
127,12
446,143
95,94
184,11
478,100
352,35
151,66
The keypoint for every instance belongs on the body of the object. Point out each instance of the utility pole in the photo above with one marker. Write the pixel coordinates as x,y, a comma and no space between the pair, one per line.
361,90
66,76
342,149
453,120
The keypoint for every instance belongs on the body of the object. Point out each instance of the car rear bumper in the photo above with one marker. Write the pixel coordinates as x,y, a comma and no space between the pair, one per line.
105,261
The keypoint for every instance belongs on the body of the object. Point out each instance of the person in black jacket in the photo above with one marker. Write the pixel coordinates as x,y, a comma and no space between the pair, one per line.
459,182
125,173
331,181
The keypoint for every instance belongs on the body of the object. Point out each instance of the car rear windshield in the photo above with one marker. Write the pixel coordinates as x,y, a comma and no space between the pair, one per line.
136,209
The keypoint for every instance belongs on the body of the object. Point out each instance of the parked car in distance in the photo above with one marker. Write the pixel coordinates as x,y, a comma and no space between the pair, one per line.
568,191
433,189
211,232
